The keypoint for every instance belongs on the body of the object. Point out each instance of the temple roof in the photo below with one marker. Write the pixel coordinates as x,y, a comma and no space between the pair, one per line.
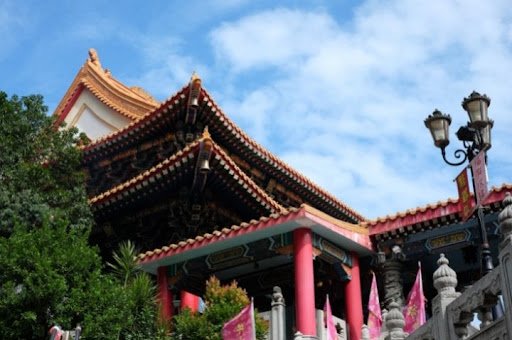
352,236
190,154
131,102
224,128
429,216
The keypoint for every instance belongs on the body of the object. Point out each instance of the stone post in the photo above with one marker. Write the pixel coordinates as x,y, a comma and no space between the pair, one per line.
365,333
395,322
505,221
277,316
392,267
384,332
445,281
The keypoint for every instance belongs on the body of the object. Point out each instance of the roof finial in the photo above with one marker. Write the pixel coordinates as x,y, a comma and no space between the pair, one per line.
194,77
206,133
93,57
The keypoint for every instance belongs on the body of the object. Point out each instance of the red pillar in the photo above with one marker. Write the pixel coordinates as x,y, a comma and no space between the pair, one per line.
304,281
190,301
354,304
164,294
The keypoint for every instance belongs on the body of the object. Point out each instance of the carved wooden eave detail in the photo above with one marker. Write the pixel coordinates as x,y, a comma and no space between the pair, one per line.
154,178
299,189
131,102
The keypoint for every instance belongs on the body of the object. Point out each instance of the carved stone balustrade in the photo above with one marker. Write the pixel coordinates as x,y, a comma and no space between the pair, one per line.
453,311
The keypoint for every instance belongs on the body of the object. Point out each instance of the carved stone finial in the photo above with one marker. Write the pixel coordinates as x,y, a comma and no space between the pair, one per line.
277,295
206,133
395,322
394,318
384,315
445,278
505,217
365,333
93,57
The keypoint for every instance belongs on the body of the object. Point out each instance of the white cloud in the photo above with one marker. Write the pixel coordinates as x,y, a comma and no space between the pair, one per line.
345,103
275,38
165,65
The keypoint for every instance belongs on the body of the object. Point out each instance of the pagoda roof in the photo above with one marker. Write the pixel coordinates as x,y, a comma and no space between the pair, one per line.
352,237
131,102
171,165
220,124
429,216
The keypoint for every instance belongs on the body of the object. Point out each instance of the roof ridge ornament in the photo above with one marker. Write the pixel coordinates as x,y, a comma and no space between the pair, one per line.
206,133
194,90
94,58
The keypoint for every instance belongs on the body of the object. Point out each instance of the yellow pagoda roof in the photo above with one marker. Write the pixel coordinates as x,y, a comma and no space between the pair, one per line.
131,102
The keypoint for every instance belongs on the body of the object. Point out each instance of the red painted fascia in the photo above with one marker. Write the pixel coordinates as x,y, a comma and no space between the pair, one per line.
69,104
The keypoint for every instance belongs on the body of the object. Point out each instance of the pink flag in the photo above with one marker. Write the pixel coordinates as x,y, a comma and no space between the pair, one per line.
374,313
242,326
415,310
332,334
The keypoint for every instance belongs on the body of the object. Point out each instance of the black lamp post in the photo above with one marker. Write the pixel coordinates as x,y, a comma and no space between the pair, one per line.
475,138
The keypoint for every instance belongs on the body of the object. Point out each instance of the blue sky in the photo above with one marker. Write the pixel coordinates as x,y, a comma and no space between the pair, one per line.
338,89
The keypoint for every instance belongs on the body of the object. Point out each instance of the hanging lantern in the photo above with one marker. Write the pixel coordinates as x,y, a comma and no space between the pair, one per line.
438,124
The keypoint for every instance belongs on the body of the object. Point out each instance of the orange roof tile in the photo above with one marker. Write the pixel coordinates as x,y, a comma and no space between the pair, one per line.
237,133
277,162
247,227
248,184
131,102
429,212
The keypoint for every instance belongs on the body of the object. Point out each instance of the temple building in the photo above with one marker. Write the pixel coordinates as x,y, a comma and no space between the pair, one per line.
200,197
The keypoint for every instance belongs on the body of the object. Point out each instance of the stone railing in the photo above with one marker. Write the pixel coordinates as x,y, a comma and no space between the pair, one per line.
452,311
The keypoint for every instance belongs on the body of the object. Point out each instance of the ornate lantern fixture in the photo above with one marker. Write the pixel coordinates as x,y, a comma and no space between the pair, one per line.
475,138
439,124
476,106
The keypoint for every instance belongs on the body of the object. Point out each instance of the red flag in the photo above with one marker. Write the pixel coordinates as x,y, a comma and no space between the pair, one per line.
465,201
374,313
415,310
332,334
242,326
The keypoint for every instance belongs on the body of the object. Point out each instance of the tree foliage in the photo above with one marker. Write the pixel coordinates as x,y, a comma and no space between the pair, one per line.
223,302
141,293
48,272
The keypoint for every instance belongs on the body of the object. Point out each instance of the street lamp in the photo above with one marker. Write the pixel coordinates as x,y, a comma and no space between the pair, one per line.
475,138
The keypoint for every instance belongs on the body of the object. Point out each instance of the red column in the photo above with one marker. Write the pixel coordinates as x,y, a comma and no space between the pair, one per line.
304,282
190,301
164,294
354,304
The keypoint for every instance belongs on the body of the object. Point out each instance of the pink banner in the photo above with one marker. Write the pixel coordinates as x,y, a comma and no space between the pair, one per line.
480,177
415,310
241,327
332,334
374,313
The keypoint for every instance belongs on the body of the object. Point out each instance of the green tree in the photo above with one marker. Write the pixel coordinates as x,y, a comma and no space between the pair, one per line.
141,293
48,272
223,302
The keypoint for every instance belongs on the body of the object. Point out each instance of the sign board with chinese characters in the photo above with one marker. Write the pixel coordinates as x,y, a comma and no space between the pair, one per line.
449,240
465,200
480,177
